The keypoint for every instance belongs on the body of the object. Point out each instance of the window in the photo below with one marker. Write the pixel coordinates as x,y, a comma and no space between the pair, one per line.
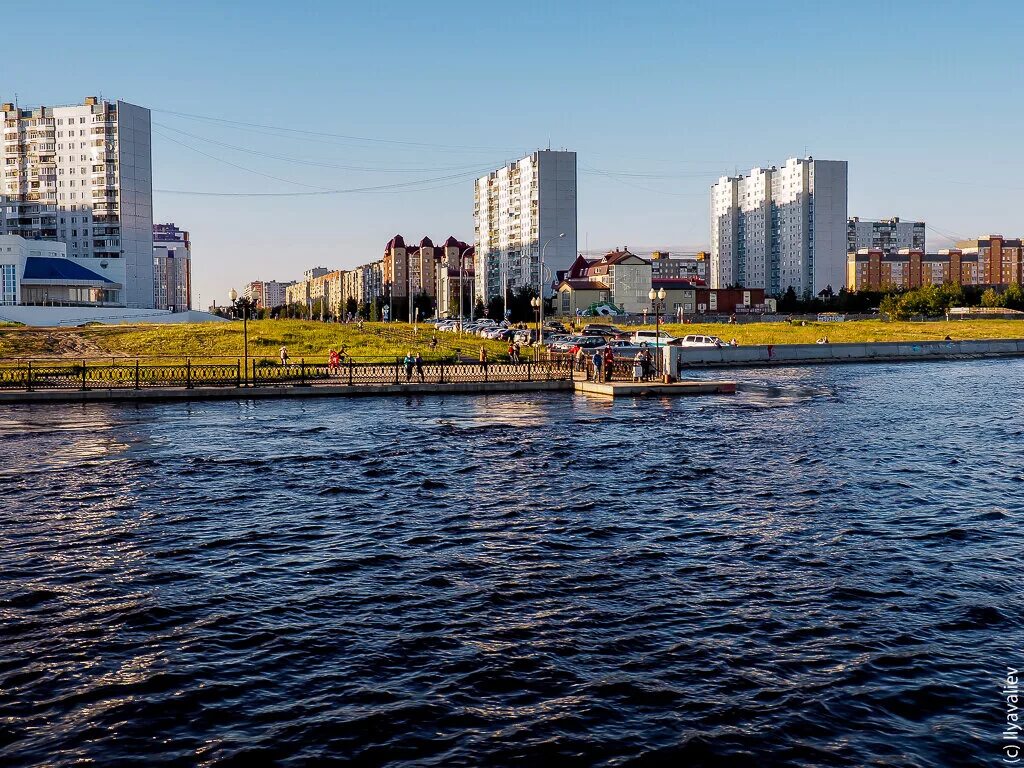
8,284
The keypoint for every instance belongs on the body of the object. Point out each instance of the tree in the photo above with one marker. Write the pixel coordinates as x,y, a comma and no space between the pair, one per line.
789,302
351,306
374,314
891,307
1013,297
991,299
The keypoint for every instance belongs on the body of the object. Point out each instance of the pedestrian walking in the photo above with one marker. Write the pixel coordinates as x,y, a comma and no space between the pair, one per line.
419,367
333,362
580,359
409,362
638,366
483,359
596,360
284,355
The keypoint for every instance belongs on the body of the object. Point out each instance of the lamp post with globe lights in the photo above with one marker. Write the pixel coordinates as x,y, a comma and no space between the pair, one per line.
658,305
243,305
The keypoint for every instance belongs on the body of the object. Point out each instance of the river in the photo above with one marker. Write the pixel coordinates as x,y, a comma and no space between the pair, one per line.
823,569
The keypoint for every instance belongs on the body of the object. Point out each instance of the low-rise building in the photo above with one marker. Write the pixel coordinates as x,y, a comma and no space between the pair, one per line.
39,272
619,277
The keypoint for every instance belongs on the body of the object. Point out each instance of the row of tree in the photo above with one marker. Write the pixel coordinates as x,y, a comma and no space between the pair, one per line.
934,300
929,300
517,307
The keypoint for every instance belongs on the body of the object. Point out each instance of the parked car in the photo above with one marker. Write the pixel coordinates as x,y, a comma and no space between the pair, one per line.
697,340
587,342
652,338
603,329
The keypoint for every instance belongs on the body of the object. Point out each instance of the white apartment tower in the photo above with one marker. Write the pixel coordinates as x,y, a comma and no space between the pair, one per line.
82,175
517,210
781,227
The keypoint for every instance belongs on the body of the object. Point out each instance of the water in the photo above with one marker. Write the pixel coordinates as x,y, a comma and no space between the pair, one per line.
821,570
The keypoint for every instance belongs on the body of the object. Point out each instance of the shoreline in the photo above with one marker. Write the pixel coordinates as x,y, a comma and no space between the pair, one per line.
768,355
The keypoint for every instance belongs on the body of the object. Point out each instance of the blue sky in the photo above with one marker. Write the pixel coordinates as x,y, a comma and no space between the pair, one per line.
659,99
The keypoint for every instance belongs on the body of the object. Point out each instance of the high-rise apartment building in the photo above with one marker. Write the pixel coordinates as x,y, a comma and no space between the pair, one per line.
172,268
82,175
888,235
517,210
781,227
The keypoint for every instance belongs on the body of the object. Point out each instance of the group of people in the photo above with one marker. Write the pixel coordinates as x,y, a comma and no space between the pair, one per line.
513,352
602,364
413,361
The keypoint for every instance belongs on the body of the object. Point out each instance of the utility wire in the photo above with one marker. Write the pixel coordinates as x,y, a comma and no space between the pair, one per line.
315,163
417,144
233,165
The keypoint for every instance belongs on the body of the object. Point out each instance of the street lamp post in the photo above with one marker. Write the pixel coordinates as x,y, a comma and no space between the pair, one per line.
658,305
537,303
540,291
244,304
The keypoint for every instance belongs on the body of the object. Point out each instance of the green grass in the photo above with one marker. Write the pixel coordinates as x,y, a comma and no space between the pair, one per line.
304,339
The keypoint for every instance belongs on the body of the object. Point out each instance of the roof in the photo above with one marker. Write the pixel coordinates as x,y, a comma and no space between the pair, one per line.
47,268
426,242
584,285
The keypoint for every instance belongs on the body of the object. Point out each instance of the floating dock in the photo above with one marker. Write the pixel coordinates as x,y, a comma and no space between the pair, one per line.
656,388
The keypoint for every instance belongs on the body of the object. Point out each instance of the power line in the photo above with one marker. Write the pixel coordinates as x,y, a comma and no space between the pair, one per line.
233,165
315,163
416,144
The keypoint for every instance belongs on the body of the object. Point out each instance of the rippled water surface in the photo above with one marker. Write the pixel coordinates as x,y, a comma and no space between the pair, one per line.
821,570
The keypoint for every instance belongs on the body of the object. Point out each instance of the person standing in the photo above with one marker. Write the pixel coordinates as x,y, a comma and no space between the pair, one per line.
333,362
483,359
284,355
419,367
409,362
609,363
596,360
638,365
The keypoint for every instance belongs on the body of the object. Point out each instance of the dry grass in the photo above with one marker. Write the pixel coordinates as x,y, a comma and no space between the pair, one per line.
304,340
312,340
857,331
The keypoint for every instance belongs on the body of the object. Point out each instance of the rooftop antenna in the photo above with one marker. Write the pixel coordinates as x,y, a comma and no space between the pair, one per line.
549,143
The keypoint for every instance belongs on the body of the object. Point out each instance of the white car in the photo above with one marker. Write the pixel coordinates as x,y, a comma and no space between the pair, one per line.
652,338
697,340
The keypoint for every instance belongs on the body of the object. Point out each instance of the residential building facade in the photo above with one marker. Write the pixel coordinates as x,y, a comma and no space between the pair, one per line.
82,175
781,227
988,261
1000,260
619,277
686,266
519,213
268,294
172,268
888,235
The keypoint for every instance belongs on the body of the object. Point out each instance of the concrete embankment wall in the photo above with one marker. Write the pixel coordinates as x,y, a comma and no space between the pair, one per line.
818,354
261,393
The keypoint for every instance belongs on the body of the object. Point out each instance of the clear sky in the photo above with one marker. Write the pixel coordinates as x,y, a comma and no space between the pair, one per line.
657,98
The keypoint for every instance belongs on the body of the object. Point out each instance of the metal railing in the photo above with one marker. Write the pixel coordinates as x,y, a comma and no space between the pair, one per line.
134,374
